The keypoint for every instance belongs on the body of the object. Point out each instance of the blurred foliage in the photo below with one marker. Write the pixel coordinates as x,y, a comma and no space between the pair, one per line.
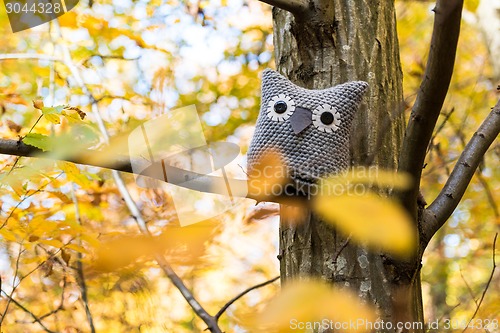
138,59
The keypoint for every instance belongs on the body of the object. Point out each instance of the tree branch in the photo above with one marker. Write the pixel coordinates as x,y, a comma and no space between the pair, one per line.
240,295
296,7
210,321
34,56
451,194
79,266
19,148
35,318
198,182
431,95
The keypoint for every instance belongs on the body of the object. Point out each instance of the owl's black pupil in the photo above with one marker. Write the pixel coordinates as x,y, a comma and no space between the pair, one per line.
326,118
280,107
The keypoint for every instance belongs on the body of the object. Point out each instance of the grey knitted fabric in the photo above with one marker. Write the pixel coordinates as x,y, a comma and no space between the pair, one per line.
319,149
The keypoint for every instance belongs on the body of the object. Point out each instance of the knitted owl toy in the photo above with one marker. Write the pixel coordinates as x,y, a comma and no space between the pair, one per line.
309,128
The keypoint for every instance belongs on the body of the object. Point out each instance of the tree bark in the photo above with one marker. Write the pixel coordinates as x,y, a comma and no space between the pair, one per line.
333,42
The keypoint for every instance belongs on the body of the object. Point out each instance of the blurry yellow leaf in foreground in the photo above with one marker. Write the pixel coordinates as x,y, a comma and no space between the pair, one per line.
305,305
267,176
180,245
369,176
371,219
7,235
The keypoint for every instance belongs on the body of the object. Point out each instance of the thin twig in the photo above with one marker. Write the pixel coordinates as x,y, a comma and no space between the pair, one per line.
35,318
243,293
441,126
471,293
79,267
18,56
14,285
487,283
26,197
61,302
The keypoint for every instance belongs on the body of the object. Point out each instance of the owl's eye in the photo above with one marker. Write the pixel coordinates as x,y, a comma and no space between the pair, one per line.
326,118
280,108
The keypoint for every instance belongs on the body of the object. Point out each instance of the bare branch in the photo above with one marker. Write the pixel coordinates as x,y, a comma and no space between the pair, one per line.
431,95
61,302
451,194
19,148
14,286
79,267
18,56
211,321
240,295
198,182
296,7
35,318
487,283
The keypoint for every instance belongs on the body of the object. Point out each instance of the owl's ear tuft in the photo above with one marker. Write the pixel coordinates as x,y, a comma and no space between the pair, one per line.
354,90
272,77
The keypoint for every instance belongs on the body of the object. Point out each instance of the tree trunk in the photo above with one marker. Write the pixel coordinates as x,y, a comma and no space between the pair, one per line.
333,42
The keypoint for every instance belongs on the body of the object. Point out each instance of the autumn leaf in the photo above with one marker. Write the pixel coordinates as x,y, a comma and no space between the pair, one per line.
33,238
267,175
70,115
66,256
76,247
52,242
7,234
40,141
372,176
369,218
309,301
74,174
11,95
13,126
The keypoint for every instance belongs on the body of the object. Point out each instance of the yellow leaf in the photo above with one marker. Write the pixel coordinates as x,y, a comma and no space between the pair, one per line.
370,219
52,242
66,256
303,303
369,176
90,239
53,118
31,260
123,251
33,238
76,248
74,174
267,175
8,235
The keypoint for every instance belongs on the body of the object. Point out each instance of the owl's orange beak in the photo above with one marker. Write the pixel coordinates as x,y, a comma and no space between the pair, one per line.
300,119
